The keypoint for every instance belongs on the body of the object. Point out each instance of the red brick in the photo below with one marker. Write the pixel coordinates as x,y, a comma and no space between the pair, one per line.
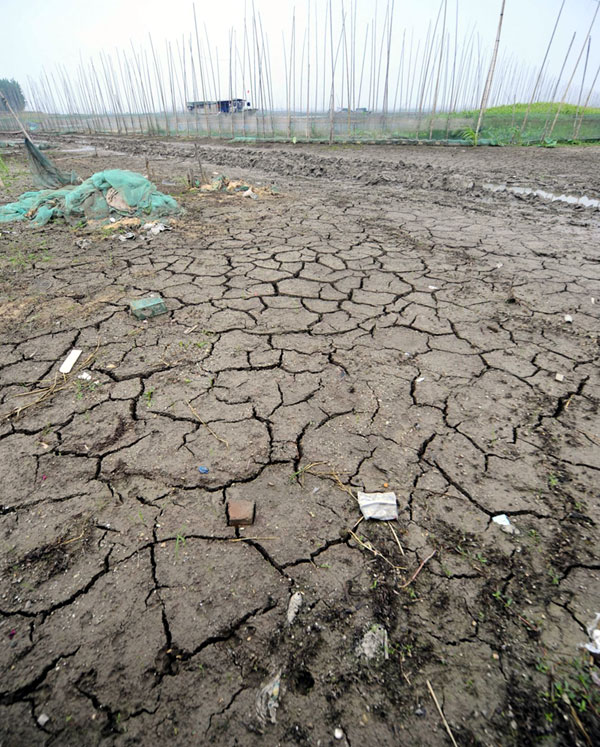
240,513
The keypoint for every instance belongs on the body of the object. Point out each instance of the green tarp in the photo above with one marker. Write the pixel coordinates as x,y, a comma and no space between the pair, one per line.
113,193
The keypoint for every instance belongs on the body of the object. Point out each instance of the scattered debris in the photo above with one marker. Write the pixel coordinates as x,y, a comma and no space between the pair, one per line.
267,699
218,184
338,733
156,227
203,470
222,184
126,236
420,379
43,719
114,224
382,506
144,308
69,362
82,243
374,643
85,375
559,377
568,318
504,523
594,633
433,287
240,513
294,606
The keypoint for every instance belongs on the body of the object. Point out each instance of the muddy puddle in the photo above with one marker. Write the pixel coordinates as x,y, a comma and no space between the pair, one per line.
582,200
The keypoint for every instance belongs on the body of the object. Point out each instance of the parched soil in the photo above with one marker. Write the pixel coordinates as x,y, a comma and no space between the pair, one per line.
379,322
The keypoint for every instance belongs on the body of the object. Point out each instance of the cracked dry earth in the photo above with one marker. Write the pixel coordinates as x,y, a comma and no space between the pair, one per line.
383,321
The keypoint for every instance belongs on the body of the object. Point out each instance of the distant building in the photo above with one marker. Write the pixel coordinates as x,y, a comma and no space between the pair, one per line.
226,106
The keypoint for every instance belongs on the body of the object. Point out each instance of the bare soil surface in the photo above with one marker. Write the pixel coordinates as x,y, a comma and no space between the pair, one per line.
381,322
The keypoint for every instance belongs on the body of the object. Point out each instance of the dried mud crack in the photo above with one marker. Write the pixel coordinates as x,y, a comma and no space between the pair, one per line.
380,322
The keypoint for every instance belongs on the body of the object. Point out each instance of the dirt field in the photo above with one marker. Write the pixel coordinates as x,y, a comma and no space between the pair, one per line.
381,322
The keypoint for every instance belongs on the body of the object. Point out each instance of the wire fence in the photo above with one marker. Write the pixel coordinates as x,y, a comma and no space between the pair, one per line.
496,129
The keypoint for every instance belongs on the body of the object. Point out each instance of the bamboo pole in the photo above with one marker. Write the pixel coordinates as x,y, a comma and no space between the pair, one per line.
316,107
587,101
585,67
363,64
287,89
308,128
535,88
490,75
560,106
399,77
332,93
387,63
201,73
439,73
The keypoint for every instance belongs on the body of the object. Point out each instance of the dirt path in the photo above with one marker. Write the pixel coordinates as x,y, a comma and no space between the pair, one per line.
385,322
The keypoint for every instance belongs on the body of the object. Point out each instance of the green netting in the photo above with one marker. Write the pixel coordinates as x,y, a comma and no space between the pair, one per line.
45,174
105,194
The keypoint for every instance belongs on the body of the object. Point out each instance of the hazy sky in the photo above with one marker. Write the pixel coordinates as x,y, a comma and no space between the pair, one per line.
41,34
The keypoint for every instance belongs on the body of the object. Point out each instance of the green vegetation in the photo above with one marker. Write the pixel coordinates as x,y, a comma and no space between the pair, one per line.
14,95
503,125
541,107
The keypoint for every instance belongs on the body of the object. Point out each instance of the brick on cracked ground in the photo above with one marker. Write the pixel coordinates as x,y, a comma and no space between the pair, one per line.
240,513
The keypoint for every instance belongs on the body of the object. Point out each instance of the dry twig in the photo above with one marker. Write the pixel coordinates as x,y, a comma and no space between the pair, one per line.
332,475
437,705
46,393
208,428
396,538
368,546
246,539
416,573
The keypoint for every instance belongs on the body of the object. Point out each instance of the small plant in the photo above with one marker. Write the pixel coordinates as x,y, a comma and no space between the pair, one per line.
552,480
470,135
554,577
179,541
148,396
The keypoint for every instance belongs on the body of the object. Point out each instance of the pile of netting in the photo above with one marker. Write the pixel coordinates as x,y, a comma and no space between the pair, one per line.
105,195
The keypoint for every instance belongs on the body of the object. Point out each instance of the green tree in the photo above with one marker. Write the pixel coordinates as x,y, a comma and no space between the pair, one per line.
14,95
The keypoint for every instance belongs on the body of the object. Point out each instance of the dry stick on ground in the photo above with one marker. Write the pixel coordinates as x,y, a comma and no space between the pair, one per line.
579,725
247,539
333,475
208,428
51,390
368,546
68,542
416,573
437,705
396,538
